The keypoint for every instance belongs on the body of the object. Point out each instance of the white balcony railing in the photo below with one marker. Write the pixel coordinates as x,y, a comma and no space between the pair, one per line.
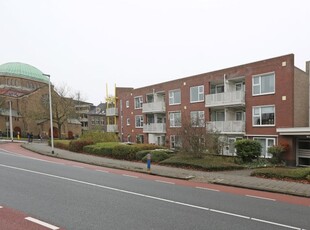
154,128
111,112
154,107
112,128
227,126
225,99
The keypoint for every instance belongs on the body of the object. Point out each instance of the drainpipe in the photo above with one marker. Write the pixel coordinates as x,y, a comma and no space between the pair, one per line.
308,72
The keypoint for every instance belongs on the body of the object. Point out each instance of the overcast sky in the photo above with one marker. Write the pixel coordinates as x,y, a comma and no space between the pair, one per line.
86,44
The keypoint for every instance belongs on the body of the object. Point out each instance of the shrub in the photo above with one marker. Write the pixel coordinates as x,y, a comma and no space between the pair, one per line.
291,173
125,152
157,156
142,153
99,136
61,144
248,150
276,151
77,145
101,149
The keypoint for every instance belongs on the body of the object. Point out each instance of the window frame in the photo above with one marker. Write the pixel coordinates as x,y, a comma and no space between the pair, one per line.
264,152
259,84
140,102
172,122
260,116
172,97
141,121
199,117
199,91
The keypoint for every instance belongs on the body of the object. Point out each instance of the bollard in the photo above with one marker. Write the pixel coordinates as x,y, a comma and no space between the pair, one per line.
148,161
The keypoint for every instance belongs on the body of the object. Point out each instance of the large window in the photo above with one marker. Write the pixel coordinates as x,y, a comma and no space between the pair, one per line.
198,118
174,97
138,102
197,93
175,119
175,142
265,143
263,84
263,116
139,121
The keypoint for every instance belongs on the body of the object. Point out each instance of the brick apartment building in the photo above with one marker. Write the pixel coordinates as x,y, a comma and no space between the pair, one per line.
266,100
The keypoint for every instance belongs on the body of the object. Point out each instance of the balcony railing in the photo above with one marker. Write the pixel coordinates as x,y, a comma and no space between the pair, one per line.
154,107
154,128
112,128
226,126
111,112
225,99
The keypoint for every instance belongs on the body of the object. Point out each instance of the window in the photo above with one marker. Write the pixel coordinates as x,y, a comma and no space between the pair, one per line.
198,118
174,97
150,98
263,84
263,116
127,104
175,142
218,116
197,93
138,102
239,116
175,119
128,121
265,143
139,121
217,89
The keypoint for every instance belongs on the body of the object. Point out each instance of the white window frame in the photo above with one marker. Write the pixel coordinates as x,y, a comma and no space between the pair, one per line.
172,98
127,104
200,95
173,121
128,121
264,152
197,118
139,121
259,84
138,102
259,115
175,142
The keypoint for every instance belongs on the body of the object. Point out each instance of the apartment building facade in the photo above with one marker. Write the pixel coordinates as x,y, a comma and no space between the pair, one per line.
265,100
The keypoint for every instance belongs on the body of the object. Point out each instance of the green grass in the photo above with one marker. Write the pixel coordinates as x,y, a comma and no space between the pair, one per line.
283,173
207,163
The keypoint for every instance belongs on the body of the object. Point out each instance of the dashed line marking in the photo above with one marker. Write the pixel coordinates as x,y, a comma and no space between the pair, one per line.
259,197
47,225
166,182
208,189
104,171
130,176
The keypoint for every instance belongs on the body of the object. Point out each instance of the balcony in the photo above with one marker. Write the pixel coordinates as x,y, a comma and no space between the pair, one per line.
229,127
112,128
154,107
235,98
154,128
110,112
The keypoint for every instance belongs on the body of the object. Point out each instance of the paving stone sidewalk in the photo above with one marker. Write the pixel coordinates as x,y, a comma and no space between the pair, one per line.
240,178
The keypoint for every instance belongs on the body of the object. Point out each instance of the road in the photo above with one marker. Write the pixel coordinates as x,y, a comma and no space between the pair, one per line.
71,195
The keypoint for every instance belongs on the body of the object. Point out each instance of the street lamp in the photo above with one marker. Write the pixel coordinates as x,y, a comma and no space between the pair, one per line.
51,115
11,122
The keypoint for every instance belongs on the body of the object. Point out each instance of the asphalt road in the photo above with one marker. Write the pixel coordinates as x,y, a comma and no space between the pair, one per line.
72,197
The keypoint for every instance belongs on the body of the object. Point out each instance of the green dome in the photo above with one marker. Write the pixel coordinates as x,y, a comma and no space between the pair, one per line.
22,70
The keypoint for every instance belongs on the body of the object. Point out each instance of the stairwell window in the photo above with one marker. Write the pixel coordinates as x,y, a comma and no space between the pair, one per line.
197,94
263,84
138,102
198,118
175,119
175,97
264,116
139,121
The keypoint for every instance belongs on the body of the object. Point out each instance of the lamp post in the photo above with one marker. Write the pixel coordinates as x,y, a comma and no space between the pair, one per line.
11,122
51,114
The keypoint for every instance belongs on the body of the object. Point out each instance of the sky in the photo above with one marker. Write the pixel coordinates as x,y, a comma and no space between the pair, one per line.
90,46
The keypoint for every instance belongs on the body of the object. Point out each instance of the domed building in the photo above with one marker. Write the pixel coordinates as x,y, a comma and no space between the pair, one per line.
26,88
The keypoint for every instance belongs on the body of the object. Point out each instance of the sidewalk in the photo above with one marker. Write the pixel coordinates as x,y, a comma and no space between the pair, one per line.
240,178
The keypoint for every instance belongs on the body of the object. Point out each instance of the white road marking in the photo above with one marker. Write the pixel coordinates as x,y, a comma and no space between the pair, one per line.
129,175
274,223
259,197
104,171
47,225
148,196
166,182
209,189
